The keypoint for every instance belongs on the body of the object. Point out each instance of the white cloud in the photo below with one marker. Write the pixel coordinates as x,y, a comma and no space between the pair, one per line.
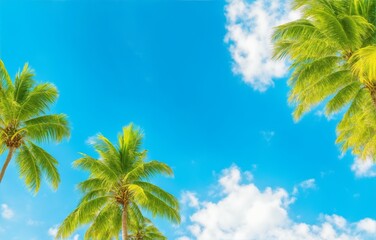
190,199
52,231
249,29
306,184
91,140
183,238
6,212
248,213
336,220
367,225
364,168
321,113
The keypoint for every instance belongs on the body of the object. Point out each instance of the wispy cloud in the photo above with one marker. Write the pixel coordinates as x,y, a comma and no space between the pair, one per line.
308,184
32,222
364,168
321,114
249,29
246,212
190,199
91,140
6,211
267,135
304,185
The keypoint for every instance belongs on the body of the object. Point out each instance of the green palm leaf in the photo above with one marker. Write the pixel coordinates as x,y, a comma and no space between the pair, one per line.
28,167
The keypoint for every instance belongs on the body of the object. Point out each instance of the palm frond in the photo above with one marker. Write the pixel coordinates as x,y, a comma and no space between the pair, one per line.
158,207
38,101
23,84
158,192
146,170
28,168
106,224
107,151
6,81
47,164
96,167
342,98
83,214
363,63
53,127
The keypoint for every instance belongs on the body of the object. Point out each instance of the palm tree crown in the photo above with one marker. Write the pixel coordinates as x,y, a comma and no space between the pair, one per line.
333,54
118,188
143,229
24,122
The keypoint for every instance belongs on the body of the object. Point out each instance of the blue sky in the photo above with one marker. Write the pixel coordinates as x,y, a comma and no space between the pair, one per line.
168,67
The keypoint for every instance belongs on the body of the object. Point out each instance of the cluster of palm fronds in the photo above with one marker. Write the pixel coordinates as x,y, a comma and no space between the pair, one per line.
24,122
332,50
118,188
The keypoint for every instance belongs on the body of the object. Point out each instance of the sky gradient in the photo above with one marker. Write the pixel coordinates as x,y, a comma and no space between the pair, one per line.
168,67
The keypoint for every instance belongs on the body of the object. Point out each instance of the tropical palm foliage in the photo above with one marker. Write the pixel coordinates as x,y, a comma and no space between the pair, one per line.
332,50
118,188
143,229
25,121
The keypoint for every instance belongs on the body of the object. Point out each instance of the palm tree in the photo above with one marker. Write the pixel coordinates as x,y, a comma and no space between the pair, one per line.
143,229
118,188
24,122
332,50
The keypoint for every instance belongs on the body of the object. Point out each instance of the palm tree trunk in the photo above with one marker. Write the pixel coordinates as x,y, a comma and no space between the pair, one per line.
7,160
124,223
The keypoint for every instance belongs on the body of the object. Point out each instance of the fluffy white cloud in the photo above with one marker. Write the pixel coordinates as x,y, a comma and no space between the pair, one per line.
368,225
249,29
336,220
52,231
6,212
364,168
244,212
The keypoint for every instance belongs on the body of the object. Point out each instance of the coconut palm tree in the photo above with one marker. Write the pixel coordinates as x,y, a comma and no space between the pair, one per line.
332,50
25,122
118,188
144,229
